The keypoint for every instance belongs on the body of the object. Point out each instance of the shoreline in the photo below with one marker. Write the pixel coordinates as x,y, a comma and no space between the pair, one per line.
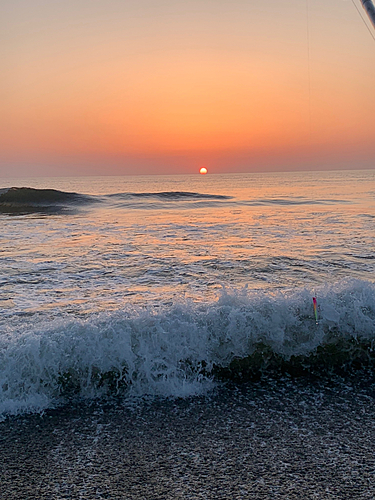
286,439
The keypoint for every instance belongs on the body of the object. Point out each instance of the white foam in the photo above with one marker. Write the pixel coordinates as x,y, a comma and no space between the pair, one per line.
160,352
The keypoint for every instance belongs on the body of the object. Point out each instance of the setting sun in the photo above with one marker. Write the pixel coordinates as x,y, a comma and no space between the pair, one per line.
203,170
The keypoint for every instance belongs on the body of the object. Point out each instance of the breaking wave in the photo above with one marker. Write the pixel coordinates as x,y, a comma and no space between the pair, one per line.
188,347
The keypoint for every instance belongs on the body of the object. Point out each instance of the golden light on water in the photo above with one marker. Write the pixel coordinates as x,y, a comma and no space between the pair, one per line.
203,171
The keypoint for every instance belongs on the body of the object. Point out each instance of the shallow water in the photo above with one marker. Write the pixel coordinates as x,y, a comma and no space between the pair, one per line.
272,440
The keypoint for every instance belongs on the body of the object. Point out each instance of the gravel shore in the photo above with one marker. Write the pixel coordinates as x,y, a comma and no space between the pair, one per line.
271,440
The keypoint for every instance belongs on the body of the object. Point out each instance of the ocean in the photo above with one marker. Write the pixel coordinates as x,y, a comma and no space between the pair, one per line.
175,315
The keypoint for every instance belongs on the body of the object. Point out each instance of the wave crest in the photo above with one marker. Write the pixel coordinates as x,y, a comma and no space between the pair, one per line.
28,200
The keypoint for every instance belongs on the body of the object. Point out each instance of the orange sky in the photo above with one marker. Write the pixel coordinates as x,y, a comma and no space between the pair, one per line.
113,87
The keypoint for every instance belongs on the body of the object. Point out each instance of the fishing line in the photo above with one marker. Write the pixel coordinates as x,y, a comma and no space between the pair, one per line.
363,19
308,62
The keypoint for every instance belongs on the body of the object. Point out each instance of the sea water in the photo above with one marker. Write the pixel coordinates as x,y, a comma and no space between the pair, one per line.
167,285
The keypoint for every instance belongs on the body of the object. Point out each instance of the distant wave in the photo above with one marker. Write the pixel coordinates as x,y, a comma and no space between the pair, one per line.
183,195
25,200
171,195
183,349
22,200
165,200
293,201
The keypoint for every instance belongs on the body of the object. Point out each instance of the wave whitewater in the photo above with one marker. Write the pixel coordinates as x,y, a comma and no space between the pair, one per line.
187,348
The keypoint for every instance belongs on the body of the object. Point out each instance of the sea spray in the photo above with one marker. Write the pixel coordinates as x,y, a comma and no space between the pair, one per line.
182,349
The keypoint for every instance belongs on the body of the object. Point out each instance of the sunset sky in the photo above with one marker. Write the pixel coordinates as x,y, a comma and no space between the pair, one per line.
161,86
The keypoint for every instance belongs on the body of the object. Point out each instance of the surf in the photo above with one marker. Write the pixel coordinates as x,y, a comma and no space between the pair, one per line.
189,347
